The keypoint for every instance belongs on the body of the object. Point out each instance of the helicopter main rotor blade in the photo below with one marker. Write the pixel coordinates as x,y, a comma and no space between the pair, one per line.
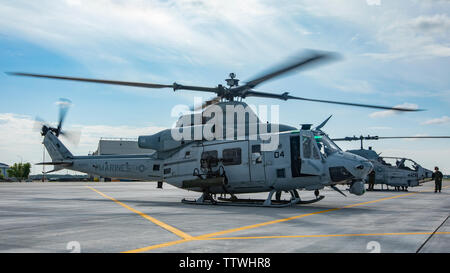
286,96
306,60
175,86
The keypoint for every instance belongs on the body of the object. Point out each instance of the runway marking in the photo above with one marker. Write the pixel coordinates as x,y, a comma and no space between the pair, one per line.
433,233
322,236
158,246
211,236
151,219
299,216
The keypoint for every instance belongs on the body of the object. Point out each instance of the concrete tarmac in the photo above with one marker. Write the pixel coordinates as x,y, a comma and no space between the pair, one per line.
138,217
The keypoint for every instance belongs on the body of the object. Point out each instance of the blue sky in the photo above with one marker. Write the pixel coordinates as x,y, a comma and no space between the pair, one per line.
394,53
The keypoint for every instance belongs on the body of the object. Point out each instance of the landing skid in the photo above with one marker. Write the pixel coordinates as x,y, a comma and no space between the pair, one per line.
299,202
233,201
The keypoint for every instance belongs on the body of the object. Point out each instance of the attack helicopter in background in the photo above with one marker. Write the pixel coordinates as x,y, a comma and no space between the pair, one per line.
397,172
244,154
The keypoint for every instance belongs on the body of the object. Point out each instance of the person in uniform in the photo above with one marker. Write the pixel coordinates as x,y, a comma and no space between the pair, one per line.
437,176
371,180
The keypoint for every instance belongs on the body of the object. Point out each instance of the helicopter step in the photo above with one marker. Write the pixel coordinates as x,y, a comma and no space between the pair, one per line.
207,199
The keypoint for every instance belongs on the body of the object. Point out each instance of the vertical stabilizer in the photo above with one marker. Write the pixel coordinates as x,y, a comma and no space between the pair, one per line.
55,148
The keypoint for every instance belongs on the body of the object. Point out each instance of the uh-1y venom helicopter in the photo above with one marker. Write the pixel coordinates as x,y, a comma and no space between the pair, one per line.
397,172
302,158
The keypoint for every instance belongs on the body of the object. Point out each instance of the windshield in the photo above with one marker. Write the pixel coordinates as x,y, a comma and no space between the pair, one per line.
326,146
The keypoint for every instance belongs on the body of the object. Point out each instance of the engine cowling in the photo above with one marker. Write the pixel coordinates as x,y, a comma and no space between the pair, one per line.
161,141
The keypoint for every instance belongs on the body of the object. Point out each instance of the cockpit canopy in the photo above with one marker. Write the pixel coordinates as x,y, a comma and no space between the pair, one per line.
326,145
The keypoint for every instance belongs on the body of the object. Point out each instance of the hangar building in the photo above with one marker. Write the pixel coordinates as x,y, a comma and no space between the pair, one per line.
120,146
3,168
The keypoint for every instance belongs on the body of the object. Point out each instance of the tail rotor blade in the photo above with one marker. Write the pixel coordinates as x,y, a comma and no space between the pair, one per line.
64,105
72,135
38,123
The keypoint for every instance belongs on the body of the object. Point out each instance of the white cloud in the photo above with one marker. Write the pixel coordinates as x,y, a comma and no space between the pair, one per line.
388,113
424,36
442,120
353,86
199,31
373,2
436,23
379,128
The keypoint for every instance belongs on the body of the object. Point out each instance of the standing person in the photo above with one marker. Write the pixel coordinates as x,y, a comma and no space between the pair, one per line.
371,180
437,176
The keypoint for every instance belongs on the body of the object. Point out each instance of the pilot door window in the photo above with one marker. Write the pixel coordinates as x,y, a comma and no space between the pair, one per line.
315,152
256,154
307,147
232,156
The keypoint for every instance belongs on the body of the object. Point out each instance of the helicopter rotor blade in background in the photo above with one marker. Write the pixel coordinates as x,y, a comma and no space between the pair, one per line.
412,137
175,86
389,137
305,60
286,96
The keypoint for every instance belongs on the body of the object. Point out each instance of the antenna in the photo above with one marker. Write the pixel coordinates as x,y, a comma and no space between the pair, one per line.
43,165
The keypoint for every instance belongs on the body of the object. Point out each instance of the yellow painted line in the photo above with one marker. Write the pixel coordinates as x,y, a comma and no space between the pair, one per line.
323,236
298,216
378,200
157,246
262,224
211,235
143,215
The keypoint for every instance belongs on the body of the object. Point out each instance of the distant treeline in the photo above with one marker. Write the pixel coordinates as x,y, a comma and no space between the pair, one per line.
60,177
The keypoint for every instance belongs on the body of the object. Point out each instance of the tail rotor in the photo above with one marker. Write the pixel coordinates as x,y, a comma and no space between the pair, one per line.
44,127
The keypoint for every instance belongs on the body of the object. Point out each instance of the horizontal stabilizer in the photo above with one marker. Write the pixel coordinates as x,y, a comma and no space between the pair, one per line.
57,168
56,163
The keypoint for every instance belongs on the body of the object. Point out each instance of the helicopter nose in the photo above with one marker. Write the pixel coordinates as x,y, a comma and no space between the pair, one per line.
365,165
364,168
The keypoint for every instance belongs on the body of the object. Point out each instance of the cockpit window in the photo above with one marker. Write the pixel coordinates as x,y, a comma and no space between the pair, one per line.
326,146
306,145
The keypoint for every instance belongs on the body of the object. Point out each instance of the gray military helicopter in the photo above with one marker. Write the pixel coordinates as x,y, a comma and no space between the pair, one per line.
397,172
253,157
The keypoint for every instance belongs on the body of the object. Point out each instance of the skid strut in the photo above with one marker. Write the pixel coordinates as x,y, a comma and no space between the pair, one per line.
207,199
